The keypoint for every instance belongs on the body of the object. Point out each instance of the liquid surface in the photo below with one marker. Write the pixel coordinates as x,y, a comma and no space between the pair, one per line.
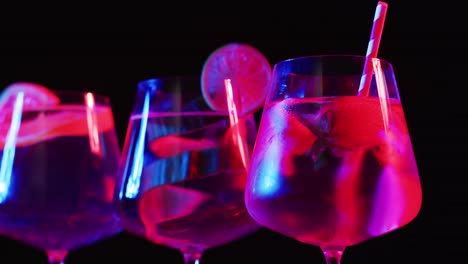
189,194
57,177
333,171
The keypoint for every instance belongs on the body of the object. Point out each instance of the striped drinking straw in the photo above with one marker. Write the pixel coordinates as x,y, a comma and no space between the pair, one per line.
373,47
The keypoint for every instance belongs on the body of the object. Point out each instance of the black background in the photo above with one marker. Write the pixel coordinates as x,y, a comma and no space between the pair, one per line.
109,49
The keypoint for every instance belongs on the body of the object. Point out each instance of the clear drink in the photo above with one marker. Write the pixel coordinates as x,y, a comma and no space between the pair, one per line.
51,180
189,193
333,170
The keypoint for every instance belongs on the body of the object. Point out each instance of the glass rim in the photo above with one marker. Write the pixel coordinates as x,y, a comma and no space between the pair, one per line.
98,97
168,78
331,55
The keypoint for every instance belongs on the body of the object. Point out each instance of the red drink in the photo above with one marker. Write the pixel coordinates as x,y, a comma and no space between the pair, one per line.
197,213
189,194
57,186
333,170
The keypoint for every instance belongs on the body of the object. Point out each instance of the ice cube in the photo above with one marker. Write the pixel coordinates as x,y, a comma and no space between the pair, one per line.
167,202
285,136
295,121
313,114
395,150
355,121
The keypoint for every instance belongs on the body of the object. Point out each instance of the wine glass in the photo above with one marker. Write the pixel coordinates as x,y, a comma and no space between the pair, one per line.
333,163
183,169
58,164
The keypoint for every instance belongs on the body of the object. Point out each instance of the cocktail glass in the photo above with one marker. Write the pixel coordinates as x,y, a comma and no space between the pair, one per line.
58,165
183,169
333,163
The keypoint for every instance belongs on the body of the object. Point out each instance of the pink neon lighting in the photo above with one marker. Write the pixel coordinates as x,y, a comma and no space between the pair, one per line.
234,121
385,221
93,128
381,91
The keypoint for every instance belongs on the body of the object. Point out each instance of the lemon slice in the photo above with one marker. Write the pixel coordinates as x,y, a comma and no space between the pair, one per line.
34,95
248,71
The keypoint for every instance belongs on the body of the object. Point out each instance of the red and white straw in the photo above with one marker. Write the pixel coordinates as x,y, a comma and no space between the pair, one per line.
373,47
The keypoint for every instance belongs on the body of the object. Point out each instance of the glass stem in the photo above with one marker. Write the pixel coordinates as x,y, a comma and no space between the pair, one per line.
333,254
192,258
57,256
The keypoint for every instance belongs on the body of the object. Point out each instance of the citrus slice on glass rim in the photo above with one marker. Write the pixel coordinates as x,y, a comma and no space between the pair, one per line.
248,70
34,95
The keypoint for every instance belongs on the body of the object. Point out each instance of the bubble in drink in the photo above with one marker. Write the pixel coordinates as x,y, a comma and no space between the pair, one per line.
346,180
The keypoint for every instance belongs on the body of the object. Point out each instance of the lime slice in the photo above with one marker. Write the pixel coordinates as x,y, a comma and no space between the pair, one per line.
34,95
249,72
